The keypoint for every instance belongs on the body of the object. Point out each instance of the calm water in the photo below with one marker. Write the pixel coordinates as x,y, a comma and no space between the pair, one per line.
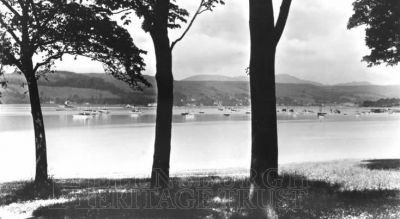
119,145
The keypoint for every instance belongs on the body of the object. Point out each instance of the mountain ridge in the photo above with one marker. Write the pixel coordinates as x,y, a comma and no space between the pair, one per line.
104,89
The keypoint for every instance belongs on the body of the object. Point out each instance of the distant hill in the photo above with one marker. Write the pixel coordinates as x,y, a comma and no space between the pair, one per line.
354,83
280,78
288,79
104,89
215,78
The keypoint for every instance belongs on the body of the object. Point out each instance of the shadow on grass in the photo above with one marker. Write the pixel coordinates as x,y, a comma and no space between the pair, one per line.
27,190
217,197
382,164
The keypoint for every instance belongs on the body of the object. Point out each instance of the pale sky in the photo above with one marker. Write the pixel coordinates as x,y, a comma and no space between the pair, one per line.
316,45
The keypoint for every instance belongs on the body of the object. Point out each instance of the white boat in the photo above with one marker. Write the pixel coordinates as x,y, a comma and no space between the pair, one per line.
92,112
135,115
82,116
189,116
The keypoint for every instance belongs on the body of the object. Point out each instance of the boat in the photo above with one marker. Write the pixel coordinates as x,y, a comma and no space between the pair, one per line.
233,109
82,116
104,111
189,116
135,112
227,114
202,112
67,105
61,108
185,113
92,112
321,115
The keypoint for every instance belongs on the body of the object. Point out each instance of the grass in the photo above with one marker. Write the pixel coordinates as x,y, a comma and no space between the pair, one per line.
340,189
27,190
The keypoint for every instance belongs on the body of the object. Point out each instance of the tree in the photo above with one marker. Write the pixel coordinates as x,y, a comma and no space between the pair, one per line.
45,31
159,16
382,21
264,36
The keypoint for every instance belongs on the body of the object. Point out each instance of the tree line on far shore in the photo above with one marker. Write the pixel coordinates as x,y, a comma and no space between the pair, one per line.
388,102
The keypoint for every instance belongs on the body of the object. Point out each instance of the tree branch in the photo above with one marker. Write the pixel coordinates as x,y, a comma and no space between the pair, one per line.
121,11
56,56
282,18
10,31
10,8
199,11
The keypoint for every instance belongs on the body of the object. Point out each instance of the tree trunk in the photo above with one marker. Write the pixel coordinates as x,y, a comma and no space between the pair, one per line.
41,176
164,78
264,155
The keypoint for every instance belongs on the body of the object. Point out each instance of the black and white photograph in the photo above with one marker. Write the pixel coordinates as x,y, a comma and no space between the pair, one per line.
214,109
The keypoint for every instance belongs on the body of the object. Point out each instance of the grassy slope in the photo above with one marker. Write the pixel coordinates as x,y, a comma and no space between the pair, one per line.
340,189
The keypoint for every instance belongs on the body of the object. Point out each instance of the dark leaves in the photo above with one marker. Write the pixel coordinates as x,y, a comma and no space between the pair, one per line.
382,21
62,27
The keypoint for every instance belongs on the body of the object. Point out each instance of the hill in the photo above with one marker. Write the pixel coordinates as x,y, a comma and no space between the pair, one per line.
104,89
355,83
280,78
215,78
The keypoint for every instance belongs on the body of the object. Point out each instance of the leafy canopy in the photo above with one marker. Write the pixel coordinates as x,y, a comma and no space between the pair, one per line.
382,20
145,9
45,30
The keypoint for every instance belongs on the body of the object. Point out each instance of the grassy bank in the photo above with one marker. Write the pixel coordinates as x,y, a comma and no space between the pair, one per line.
339,189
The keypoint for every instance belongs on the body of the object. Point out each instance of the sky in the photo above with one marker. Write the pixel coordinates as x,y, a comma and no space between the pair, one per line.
316,45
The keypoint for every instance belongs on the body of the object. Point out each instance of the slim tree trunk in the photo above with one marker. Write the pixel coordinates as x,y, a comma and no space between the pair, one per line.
164,78
264,156
40,137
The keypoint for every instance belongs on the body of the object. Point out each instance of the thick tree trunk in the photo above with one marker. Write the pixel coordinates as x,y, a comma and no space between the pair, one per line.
41,176
264,156
164,78
264,152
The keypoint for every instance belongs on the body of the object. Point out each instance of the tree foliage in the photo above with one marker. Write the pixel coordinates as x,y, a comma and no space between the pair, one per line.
382,21
145,9
47,30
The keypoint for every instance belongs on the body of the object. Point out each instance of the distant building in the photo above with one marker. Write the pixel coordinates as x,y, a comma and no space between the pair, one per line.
378,110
